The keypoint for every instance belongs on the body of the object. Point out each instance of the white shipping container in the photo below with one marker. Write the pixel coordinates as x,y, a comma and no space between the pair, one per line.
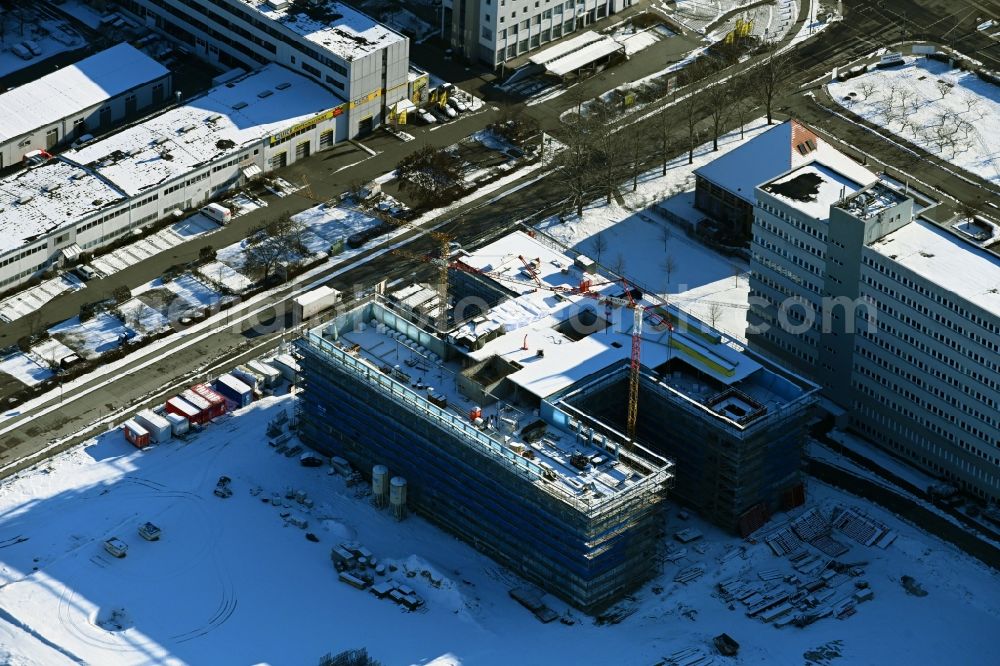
271,375
178,424
158,427
287,365
307,304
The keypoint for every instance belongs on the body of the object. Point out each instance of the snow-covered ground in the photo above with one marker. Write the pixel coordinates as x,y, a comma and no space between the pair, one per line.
949,113
709,286
227,571
25,368
81,11
162,240
89,339
28,301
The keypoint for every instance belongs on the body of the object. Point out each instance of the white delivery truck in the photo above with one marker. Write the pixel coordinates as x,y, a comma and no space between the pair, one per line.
218,212
314,301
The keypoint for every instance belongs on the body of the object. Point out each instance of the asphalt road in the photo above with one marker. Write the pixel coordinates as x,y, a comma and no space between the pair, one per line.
330,173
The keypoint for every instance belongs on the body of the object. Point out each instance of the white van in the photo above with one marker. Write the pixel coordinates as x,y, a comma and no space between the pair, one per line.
217,212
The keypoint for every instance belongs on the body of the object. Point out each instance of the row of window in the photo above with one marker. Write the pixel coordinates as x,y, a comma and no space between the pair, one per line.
528,43
939,296
818,234
780,233
953,464
946,396
792,257
138,204
21,255
956,342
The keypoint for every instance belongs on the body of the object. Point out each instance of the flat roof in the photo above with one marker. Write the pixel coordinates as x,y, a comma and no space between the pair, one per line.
770,154
583,57
343,30
41,199
946,260
812,188
532,318
75,88
222,121
565,46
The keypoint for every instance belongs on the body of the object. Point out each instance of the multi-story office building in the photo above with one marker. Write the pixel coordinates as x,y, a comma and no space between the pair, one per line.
360,59
897,318
495,31
179,159
508,426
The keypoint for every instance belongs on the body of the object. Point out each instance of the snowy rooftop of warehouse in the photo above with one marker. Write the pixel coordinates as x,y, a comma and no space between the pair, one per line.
38,200
218,123
346,32
75,88
535,314
812,188
947,261
771,154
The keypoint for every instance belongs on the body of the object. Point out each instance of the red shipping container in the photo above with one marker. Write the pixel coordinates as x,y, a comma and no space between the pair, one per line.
182,407
217,401
136,434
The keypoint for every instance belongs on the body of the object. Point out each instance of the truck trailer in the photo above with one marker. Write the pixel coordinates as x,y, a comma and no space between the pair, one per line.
216,401
312,302
193,413
272,377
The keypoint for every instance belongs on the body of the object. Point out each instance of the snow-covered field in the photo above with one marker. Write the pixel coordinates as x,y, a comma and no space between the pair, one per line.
28,301
99,334
949,113
709,286
232,582
25,368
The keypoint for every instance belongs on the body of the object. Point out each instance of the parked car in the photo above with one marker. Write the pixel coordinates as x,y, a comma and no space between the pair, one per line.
22,52
427,117
448,111
82,139
457,104
33,47
85,272
439,114
358,239
149,532
116,547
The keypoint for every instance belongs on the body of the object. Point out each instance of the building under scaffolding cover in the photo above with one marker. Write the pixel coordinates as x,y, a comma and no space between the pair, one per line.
509,426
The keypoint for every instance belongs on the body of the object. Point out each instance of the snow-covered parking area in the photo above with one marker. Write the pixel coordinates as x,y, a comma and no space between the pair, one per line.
28,301
234,581
952,114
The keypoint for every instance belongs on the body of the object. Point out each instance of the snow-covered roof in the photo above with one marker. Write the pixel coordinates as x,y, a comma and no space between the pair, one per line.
75,88
572,54
565,46
531,319
343,31
946,260
812,189
39,200
771,154
220,122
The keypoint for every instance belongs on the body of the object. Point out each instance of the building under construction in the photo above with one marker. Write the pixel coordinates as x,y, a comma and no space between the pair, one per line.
512,427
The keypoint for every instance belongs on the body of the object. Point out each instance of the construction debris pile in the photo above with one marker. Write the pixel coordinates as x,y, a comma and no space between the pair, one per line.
359,568
819,585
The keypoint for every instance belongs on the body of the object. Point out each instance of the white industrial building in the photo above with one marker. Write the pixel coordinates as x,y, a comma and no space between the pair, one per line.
495,31
177,160
87,97
896,317
360,59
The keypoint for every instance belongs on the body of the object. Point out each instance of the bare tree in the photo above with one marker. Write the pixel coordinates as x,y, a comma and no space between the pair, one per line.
715,312
618,267
281,240
767,77
690,108
669,265
666,139
943,88
665,235
867,88
599,244
719,98
610,158
636,153
741,100
575,163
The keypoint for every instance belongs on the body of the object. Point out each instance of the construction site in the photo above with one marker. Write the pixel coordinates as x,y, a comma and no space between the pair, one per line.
542,411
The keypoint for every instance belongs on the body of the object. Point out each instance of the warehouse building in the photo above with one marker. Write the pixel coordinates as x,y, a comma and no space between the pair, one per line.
175,161
509,426
896,317
88,97
360,59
